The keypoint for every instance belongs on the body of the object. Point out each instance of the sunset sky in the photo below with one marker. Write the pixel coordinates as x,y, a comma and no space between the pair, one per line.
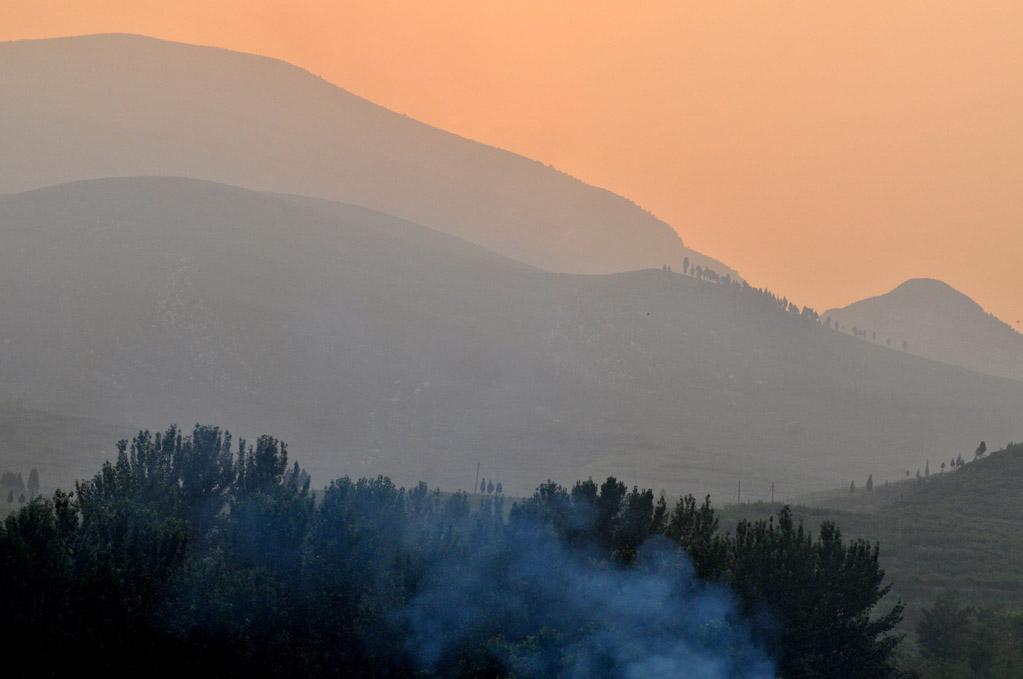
828,151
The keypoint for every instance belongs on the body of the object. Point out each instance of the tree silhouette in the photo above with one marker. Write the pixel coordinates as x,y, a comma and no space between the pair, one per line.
981,449
33,482
870,483
805,602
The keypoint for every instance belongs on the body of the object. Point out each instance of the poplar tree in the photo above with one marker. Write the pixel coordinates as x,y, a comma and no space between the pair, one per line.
33,482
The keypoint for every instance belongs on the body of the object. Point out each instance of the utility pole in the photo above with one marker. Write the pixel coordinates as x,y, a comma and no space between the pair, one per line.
476,486
772,493
738,497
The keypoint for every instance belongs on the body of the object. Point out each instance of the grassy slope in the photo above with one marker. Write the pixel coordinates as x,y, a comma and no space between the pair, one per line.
61,447
958,530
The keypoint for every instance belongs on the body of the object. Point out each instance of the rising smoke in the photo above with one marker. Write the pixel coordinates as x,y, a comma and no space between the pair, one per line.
548,611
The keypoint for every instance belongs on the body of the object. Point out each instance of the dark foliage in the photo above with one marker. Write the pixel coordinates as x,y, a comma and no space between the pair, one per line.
958,641
185,555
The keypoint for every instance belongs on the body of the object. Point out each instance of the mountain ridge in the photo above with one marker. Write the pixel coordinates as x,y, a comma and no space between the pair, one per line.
126,105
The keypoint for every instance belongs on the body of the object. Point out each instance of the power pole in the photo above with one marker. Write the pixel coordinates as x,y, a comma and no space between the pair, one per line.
476,486
772,493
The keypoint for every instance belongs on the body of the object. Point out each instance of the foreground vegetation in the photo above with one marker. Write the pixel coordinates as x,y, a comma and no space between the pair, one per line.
959,641
185,554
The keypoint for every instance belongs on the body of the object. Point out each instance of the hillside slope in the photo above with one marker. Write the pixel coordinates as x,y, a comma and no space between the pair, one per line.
959,530
119,105
62,448
940,323
378,346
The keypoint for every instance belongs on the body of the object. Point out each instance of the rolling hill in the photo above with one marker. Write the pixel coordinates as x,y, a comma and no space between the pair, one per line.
940,323
118,105
374,345
959,530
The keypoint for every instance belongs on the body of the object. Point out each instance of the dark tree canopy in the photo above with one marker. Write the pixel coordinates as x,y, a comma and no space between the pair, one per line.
190,554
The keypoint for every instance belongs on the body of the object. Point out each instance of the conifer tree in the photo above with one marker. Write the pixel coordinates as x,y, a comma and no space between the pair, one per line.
33,482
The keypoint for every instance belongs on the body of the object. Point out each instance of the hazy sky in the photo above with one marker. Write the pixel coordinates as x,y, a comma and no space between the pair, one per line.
826,150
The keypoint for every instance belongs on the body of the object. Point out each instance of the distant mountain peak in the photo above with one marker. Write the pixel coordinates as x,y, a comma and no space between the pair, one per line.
931,290
938,322
928,284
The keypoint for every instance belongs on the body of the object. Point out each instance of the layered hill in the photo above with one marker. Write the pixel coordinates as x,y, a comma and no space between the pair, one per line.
960,530
119,105
374,345
937,322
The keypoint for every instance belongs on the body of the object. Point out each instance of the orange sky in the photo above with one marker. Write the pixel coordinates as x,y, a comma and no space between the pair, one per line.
826,150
